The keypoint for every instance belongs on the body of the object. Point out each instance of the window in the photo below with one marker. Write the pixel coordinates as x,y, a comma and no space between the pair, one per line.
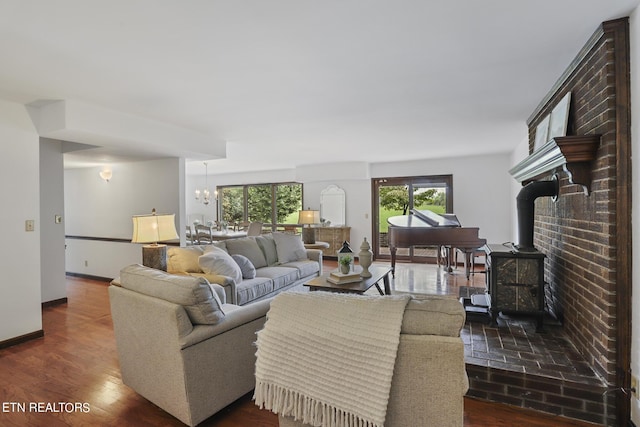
260,203
397,196
270,204
232,204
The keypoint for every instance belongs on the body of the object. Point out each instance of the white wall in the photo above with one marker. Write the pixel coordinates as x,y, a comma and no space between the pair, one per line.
482,189
519,153
95,208
20,300
52,242
634,23
357,209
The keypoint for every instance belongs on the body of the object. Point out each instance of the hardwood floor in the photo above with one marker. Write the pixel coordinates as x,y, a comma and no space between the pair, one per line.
71,378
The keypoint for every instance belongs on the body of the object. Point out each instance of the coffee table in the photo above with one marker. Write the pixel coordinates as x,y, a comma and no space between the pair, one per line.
321,283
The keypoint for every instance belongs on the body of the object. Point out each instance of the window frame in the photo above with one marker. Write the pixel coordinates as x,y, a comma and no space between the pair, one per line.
245,198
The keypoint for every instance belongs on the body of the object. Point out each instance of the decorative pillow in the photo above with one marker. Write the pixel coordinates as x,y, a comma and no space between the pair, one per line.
183,259
193,293
268,246
289,247
248,270
217,261
248,247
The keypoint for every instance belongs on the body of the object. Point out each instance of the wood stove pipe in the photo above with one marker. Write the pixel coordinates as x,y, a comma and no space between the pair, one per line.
526,209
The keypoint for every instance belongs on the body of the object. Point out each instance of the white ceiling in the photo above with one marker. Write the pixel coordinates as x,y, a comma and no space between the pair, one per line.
289,83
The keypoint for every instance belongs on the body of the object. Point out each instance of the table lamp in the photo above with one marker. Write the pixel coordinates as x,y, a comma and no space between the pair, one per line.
308,217
152,229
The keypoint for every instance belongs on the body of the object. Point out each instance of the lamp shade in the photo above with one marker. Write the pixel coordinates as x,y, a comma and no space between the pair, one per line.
153,228
106,174
308,217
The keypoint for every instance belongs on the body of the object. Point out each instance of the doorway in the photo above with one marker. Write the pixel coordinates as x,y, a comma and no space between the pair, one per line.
398,196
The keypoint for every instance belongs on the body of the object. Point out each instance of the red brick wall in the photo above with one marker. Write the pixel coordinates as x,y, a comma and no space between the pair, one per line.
577,232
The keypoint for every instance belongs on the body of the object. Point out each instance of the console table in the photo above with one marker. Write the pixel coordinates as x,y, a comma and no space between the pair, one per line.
334,236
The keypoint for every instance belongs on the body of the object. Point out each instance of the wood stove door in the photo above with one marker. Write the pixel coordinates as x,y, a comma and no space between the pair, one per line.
515,282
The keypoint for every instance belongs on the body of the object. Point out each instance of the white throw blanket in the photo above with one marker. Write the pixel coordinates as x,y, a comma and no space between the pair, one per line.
327,359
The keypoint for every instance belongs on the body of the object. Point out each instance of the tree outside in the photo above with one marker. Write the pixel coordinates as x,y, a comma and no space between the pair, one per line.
259,203
396,197
288,203
232,204
394,200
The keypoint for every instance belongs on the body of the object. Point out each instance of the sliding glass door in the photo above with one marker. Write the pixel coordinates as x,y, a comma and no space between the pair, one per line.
398,196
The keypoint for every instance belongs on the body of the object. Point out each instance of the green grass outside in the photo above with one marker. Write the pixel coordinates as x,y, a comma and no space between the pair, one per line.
292,218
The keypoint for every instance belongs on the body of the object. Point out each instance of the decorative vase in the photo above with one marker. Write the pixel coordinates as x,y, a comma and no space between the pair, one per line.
344,268
364,258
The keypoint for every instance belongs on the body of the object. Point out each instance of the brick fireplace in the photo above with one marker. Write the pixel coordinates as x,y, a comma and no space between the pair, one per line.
586,239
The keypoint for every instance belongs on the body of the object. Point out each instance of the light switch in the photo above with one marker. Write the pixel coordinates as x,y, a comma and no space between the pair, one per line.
58,219
29,225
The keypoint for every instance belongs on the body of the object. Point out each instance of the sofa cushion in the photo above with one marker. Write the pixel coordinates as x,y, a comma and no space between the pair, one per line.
183,259
216,261
433,315
195,294
305,267
289,247
249,248
251,289
248,270
281,276
268,246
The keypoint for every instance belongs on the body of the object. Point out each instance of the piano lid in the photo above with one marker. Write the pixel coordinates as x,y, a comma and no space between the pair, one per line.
424,218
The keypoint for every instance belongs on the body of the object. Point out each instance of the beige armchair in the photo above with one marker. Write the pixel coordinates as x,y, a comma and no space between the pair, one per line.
180,345
429,378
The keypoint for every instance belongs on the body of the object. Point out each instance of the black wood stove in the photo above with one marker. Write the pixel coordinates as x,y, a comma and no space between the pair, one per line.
515,282
515,273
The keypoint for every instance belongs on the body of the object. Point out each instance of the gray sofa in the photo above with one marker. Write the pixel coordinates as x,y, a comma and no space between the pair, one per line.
271,263
180,345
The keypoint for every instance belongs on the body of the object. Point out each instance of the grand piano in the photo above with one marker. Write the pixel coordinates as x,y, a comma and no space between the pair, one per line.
426,228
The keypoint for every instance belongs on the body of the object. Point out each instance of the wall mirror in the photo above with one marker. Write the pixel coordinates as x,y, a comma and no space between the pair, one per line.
332,205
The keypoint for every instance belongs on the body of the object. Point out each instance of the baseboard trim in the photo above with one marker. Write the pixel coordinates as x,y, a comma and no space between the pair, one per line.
21,339
90,277
55,302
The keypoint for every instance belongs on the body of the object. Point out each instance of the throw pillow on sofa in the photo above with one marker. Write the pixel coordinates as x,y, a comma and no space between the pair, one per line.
248,247
289,247
195,294
248,270
217,261
268,246
183,259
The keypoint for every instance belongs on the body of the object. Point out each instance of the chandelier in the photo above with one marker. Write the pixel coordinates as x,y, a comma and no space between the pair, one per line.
205,195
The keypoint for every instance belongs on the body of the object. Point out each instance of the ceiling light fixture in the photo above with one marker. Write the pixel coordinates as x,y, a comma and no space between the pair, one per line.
106,174
206,194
